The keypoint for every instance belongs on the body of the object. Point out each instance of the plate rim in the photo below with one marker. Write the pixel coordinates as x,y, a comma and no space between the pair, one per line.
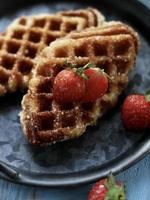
82,178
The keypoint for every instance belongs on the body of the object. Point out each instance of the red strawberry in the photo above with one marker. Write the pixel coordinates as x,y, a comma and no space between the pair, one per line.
136,112
68,86
80,84
107,189
96,84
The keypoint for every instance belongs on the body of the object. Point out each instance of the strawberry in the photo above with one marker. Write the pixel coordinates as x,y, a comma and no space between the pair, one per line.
96,84
83,84
136,112
107,189
68,86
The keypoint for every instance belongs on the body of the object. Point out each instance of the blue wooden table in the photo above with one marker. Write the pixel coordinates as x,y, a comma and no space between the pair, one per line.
137,180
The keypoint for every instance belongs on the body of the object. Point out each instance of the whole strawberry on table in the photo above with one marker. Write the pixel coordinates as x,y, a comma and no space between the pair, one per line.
107,189
135,112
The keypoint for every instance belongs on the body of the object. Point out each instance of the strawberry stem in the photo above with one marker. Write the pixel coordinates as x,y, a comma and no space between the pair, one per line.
70,65
111,181
79,70
88,65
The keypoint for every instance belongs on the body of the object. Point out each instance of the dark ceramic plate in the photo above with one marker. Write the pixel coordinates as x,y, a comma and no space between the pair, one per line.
103,148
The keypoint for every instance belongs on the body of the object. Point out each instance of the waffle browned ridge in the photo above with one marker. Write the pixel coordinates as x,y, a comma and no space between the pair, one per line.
109,28
28,35
92,16
44,121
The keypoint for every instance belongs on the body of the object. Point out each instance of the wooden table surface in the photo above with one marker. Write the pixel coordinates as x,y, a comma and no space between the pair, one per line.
137,180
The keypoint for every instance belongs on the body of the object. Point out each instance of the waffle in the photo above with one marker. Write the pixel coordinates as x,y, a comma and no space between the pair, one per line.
27,36
44,121
92,16
109,28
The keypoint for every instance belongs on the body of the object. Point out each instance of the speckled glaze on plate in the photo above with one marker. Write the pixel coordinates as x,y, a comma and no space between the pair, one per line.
103,148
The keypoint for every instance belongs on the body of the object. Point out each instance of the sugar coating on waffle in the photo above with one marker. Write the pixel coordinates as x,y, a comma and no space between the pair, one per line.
27,36
45,121
92,16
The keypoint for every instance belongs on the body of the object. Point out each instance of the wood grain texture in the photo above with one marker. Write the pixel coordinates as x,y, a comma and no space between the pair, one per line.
137,180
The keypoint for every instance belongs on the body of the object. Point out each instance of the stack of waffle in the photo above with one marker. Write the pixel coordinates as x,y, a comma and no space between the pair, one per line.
33,50
111,47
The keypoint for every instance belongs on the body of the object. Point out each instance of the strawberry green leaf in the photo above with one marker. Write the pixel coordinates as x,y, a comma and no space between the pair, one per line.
147,96
68,64
115,191
88,65
111,180
79,70
65,62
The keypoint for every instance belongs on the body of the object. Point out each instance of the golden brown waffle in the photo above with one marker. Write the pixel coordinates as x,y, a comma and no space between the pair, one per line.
92,16
109,28
44,121
27,36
